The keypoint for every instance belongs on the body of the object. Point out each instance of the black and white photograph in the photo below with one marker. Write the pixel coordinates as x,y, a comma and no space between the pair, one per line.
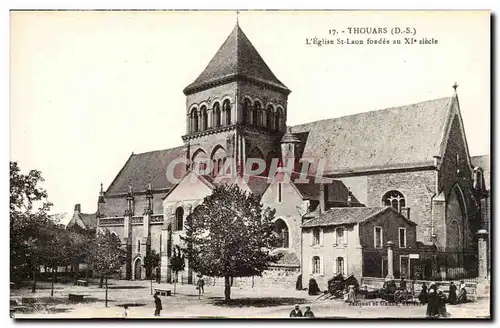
253,164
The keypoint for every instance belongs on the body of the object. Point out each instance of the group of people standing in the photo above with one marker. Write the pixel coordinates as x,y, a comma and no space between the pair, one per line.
297,313
436,299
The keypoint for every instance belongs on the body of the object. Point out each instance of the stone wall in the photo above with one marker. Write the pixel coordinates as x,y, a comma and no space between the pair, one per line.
417,187
278,277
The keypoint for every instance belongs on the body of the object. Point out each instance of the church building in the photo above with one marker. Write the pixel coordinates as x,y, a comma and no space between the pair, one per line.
413,158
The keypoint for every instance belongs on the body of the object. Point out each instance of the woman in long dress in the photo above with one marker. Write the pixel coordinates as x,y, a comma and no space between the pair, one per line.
441,303
351,295
432,304
423,294
452,297
462,294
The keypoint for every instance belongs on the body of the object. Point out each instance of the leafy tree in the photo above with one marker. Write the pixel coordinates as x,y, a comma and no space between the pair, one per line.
28,217
151,261
230,235
177,263
106,255
56,249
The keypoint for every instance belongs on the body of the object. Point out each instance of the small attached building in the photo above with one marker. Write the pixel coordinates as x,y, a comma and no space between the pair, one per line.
352,240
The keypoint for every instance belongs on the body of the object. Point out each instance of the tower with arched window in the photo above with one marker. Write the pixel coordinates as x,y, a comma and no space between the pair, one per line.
236,105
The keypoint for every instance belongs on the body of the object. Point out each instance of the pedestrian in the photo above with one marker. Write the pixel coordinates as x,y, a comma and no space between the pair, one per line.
308,313
351,295
201,285
158,306
313,287
462,294
452,297
432,302
441,303
125,311
402,284
422,297
296,313
158,275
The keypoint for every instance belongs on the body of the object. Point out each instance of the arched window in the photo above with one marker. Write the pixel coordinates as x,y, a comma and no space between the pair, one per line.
204,118
226,107
220,165
340,266
216,115
179,218
279,120
281,228
316,265
247,105
194,120
257,114
395,199
269,117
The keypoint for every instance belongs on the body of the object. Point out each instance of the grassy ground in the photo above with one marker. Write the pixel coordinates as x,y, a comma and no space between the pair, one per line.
246,303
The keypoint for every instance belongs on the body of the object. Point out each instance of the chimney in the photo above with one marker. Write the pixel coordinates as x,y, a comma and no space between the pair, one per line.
78,208
323,198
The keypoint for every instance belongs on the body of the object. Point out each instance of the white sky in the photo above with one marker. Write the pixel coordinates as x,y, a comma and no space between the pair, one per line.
88,88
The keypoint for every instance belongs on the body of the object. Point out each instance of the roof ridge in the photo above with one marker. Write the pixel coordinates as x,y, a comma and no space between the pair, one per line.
370,111
158,150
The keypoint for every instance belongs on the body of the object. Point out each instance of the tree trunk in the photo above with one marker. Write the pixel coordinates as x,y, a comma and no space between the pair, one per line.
52,289
33,287
175,281
151,280
101,282
227,289
106,301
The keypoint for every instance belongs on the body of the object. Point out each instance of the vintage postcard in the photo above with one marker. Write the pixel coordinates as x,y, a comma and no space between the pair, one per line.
250,164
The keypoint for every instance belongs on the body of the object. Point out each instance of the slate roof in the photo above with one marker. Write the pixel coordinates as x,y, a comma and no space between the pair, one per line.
347,215
337,192
150,167
483,162
89,220
387,138
236,58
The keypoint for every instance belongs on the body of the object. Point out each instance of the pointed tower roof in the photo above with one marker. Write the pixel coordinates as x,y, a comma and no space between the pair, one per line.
236,59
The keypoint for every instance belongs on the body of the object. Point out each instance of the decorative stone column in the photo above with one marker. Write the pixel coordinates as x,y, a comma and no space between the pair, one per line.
390,260
128,234
482,256
146,233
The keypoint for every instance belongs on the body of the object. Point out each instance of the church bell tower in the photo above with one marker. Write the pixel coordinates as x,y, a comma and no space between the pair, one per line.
236,108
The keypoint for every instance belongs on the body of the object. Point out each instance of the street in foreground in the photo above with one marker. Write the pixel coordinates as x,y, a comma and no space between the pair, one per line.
246,303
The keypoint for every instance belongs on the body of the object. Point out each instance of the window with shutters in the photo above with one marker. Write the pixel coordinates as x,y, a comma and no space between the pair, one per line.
316,265
340,265
377,237
316,236
340,236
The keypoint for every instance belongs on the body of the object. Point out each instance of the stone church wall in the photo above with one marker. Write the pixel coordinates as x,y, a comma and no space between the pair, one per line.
417,188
